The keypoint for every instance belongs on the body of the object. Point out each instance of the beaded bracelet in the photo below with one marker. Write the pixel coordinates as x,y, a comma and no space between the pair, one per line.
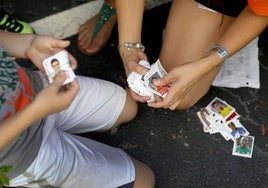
221,52
129,45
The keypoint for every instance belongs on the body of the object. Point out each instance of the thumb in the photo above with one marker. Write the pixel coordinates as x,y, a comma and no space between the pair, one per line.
59,79
162,81
58,43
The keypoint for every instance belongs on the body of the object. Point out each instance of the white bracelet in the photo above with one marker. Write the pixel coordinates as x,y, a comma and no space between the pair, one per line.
129,45
221,52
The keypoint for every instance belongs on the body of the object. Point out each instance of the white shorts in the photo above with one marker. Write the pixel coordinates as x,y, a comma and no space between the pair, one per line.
67,160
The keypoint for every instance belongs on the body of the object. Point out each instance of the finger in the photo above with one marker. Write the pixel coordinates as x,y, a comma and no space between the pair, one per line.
73,61
58,43
162,81
141,69
139,98
142,55
59,79
174,105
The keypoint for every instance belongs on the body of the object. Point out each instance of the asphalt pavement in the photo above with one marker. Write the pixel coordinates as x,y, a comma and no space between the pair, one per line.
173,143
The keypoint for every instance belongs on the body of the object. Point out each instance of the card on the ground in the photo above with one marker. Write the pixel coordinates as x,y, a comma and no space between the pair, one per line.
232,117
221,107
235,128
206,117
55,64
243,146
221,126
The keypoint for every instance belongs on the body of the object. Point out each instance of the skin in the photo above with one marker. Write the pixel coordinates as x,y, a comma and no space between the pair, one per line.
190,31
52,99
85,33
55,98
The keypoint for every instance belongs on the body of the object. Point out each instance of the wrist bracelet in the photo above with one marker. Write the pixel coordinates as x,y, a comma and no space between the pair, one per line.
129,45
221,52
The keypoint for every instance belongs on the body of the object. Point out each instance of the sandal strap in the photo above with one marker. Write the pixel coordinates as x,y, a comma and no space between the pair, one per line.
9,23
105,13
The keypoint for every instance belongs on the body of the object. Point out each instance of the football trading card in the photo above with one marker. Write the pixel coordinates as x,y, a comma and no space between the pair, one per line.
56,63
243,146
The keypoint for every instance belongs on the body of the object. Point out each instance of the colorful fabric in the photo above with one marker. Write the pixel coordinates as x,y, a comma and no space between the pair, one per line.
16,92
259,7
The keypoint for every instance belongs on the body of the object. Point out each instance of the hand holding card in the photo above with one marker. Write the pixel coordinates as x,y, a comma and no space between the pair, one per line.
144,85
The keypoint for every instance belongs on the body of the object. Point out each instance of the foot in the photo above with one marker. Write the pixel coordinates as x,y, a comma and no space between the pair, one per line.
85,32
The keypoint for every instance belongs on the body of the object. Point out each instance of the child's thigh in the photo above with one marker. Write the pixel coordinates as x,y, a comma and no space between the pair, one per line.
97,106
190,31
66,160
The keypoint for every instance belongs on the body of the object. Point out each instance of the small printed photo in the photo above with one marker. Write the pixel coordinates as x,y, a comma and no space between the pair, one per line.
151,81
243,146
236,128
159,90
221,107
56,63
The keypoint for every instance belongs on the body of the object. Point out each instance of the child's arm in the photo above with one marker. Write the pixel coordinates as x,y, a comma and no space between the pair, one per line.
34,47
50,100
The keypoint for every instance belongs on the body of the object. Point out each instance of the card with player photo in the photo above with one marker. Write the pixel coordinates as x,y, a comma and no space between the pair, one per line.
221,107
143,84
243,146
235,128
206,117
56,63
156,71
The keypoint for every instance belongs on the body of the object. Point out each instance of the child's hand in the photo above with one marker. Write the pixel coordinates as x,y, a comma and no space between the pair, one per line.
55,97
42,47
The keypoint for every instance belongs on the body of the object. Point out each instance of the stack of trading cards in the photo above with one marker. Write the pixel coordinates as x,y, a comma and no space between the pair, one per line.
220,117
56,63
144,84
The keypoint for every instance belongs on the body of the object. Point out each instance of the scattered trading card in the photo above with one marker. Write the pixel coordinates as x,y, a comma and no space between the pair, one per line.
243,146
206,118
222,128
232,117
56,63
221,107
220,117
236,129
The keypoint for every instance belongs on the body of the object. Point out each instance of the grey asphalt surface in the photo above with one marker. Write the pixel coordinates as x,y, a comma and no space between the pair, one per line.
173,142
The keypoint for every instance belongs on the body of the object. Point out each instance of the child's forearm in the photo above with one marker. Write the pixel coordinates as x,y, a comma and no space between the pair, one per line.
15,125
15,44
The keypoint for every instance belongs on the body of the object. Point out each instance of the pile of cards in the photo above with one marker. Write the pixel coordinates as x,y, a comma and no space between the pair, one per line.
143,84
220,117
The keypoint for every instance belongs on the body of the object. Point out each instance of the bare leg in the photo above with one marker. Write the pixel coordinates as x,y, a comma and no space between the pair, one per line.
190,31
85,32
144,177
